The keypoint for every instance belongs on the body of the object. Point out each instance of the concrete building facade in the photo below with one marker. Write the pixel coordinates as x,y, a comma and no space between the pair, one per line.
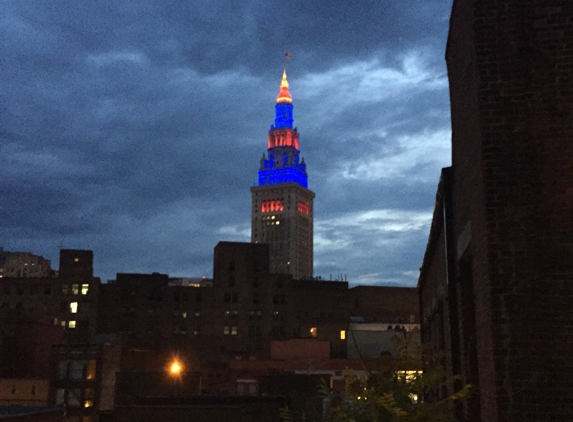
282,204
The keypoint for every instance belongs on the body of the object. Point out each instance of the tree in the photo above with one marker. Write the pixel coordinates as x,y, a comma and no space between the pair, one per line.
403,393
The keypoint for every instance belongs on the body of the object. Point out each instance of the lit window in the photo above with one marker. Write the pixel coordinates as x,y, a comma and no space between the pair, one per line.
73,307
91,369
63,323
313,332
76,260
234,331
75,289
226,330
184,314
85,288
71,324
64,289
88,403
342,334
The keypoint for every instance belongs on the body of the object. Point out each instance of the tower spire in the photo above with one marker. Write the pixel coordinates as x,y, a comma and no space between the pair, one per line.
284,94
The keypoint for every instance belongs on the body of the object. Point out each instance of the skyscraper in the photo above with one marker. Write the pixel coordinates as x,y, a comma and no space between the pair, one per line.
282,210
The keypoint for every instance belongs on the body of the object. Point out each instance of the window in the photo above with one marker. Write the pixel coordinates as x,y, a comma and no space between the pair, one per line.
71,324
75,289
73,307
342,334
91,369
62,369
76,260
234,330
226,330
88,397
231,281
227,297
64,289
255,297
74,397
85,288
77,369
60,396
184,314
313,332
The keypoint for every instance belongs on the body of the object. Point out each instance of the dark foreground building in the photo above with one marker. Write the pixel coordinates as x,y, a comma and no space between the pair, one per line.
496,284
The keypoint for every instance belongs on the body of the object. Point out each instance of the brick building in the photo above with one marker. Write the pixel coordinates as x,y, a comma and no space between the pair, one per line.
243,309
495,284
69,300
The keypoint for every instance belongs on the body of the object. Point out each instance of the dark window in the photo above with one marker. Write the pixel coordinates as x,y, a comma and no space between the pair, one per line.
227,297
255,297
235,297
47,290
198,296
232,281
232,265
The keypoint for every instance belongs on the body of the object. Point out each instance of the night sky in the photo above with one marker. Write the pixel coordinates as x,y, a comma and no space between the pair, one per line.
135,128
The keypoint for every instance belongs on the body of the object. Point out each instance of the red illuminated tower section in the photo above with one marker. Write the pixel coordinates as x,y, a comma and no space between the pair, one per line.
282,210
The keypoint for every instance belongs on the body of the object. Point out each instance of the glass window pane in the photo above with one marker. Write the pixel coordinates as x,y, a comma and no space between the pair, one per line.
77,369
74,397
62,370
60,396
91,369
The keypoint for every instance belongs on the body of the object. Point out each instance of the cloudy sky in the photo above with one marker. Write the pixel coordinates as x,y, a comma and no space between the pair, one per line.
134,128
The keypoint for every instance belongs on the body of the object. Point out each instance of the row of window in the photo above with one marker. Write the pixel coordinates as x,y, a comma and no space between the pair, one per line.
75,397
75,289
233,297
158,296
73,324
84,369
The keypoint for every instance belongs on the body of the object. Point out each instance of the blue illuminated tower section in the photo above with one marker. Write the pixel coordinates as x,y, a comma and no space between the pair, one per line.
282,204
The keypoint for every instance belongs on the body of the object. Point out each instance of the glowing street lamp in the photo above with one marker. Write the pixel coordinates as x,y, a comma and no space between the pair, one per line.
175,368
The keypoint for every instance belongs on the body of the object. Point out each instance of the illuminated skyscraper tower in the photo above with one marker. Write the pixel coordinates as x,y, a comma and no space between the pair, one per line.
282,210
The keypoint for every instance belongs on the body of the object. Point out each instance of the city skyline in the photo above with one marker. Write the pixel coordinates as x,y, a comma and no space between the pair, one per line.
136,130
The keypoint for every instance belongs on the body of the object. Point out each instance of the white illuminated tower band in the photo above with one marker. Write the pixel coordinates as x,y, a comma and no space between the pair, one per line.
282,211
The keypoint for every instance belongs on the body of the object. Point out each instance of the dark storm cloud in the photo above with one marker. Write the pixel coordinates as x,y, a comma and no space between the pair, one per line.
135,128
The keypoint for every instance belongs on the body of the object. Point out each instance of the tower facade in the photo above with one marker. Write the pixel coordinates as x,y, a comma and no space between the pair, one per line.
282,204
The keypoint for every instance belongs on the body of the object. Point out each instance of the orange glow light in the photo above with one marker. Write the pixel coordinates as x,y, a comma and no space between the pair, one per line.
175,368
284,95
